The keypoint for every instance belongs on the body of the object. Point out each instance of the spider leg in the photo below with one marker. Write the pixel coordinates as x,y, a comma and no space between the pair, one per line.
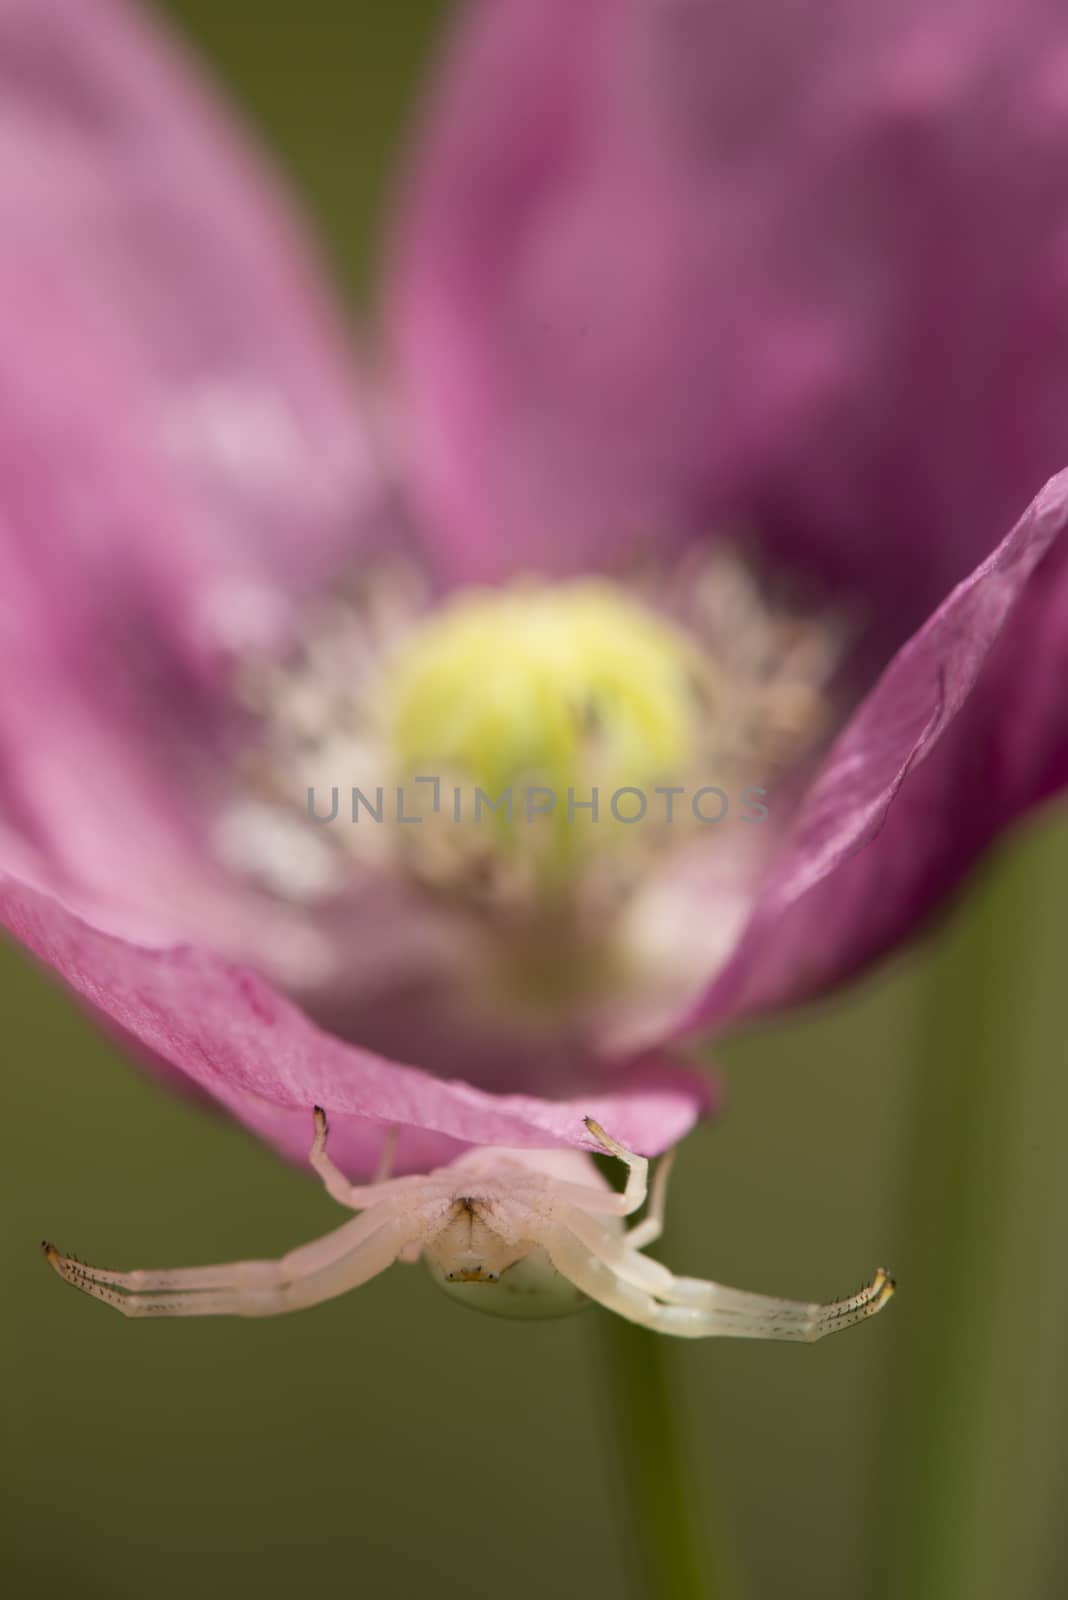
782,1319
356,1196
350,1255
607,1272
651,1227
589,1271
608,1203
384,1169
633,1196
615,1249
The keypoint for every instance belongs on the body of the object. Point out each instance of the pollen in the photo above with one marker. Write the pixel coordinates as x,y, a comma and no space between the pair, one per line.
574,688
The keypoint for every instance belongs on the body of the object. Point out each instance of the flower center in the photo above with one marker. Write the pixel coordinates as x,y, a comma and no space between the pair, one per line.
562,773
547,715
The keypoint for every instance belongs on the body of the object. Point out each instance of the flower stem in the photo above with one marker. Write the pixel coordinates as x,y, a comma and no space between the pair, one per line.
971,1455
670,1539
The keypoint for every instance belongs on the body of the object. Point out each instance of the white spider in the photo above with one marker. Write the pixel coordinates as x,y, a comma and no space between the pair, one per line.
519,1233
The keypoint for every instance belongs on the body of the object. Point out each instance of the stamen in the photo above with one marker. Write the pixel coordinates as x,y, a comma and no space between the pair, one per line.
529,756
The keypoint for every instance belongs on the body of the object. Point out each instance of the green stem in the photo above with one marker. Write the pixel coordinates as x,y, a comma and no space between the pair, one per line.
640,1402
972,1438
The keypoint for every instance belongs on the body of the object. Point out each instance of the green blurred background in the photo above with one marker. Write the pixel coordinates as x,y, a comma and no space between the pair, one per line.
392,1444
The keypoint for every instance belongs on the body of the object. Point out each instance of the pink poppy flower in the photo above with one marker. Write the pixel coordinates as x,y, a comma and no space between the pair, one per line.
712,469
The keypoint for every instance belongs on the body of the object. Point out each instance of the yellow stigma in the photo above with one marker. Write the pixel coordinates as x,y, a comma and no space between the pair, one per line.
574,688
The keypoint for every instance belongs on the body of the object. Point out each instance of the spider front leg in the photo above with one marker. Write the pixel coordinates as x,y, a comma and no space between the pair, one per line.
610,1268
621,1279
341,1260
761,1316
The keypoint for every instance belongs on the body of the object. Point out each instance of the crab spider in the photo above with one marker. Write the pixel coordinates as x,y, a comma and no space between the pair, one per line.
518,1233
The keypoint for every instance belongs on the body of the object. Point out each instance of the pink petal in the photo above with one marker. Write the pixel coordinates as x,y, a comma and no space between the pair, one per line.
146,246
182,450
234,1037
967,728
677,265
